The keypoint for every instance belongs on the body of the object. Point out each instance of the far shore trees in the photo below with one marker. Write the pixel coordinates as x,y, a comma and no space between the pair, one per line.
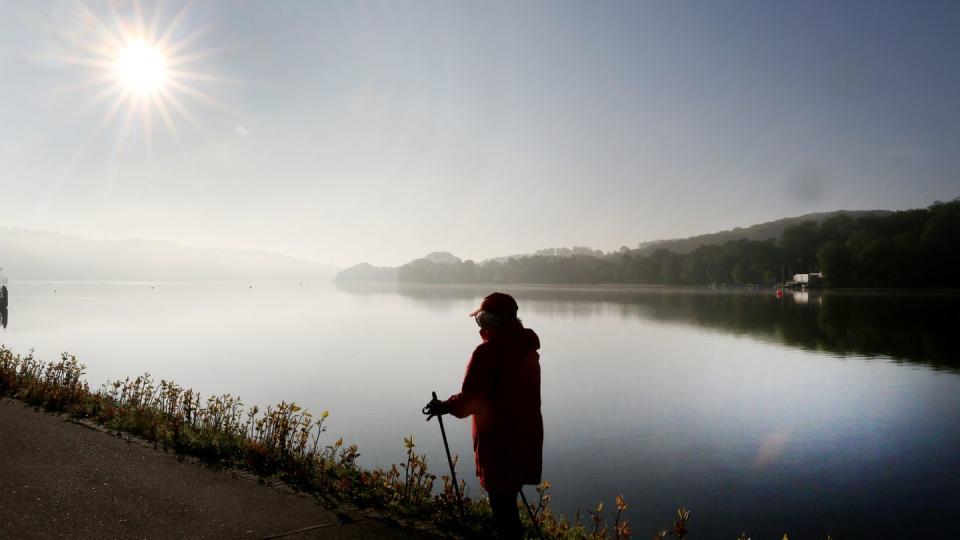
905,249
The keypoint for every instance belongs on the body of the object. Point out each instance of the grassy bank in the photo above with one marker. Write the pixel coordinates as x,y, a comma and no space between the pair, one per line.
287,442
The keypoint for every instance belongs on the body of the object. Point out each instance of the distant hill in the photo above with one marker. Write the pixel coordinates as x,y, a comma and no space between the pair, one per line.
759,232
367,272
443,257
44,255
552,252
436,267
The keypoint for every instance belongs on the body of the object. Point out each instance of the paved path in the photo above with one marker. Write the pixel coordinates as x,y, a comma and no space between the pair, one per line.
61,479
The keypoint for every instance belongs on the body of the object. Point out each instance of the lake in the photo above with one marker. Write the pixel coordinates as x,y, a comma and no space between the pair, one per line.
811,414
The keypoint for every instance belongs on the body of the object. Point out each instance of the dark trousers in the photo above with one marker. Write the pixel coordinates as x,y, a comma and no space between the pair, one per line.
506,516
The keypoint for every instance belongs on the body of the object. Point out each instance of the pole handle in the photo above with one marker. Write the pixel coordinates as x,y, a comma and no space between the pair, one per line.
426,408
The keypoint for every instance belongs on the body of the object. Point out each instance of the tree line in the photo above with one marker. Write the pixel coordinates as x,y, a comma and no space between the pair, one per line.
918,248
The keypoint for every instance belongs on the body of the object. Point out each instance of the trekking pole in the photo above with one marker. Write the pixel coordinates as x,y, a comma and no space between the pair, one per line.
533,520
453,472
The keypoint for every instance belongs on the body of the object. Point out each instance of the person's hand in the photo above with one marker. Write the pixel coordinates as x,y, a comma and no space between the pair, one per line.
434,408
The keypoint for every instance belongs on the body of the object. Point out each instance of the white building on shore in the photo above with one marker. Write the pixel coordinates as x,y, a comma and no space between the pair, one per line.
813,278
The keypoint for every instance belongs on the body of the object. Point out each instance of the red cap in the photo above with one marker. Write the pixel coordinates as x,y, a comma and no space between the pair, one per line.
499,304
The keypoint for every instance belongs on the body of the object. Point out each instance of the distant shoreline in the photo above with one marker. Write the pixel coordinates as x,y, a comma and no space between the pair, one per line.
167,281
573,287
637,287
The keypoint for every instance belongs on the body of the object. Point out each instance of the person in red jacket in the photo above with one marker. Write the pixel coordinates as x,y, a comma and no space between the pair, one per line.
501,390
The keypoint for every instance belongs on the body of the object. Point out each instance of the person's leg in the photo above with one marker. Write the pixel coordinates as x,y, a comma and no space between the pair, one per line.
506,516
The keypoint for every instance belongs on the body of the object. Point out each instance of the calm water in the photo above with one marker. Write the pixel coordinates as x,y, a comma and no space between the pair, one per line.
809,414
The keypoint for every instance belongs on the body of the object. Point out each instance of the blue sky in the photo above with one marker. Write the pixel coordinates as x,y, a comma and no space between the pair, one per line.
379,131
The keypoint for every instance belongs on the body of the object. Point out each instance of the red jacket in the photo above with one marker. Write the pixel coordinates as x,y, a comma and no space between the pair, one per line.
501,389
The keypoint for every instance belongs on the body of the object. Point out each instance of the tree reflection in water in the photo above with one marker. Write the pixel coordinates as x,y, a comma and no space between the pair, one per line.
903,325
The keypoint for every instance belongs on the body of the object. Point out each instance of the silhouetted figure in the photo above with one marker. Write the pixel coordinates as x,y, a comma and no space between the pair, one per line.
501,390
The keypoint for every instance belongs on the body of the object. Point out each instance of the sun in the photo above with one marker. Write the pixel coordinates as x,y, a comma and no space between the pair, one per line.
141,68
144,67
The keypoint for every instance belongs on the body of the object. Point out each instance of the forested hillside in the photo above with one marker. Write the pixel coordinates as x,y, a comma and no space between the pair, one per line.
912,249
761,231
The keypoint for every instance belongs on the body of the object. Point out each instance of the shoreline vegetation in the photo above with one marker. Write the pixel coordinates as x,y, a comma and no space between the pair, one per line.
286,443
907,249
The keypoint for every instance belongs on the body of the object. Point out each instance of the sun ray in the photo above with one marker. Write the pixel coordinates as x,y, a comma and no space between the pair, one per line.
83,61
81,150
138,18
164,40
114,109
119,26
108,92
95,46
130,115
174,48
154,23
186,75
101,79
138,55
103,30
104,80
180,108
146,114
182,59
99,49
193,92
161,103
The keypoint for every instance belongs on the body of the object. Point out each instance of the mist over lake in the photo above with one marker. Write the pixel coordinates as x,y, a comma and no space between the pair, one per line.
824,412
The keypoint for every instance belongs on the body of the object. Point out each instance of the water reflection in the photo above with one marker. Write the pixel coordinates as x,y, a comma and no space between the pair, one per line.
912,327
646,395
4,301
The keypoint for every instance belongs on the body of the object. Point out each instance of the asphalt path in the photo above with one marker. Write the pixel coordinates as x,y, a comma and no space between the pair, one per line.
60,479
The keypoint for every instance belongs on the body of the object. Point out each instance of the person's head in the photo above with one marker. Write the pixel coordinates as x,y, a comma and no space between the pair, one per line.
496,310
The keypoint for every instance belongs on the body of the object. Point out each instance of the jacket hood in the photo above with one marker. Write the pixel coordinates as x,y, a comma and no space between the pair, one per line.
530,339
514,335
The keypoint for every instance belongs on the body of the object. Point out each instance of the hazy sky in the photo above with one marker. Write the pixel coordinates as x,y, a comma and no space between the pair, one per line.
380,131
